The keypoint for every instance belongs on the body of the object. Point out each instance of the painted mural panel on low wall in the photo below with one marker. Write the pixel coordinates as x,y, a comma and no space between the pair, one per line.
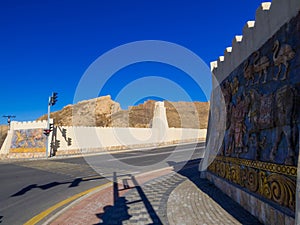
28,140
262,99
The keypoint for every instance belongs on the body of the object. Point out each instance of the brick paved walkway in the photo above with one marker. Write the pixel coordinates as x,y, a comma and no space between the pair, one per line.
198,205
170,198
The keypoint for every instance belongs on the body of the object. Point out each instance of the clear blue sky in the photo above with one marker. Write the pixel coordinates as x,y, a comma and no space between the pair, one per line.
47,45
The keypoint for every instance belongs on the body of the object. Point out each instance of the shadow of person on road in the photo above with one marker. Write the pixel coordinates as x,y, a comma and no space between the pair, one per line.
115,214
119,211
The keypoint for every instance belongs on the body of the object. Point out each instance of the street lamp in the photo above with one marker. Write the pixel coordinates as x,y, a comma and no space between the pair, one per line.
9,120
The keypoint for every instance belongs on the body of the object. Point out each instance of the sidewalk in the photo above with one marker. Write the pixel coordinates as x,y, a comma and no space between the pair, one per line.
161,197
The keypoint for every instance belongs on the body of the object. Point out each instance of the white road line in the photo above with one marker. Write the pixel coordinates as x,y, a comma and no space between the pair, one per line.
153,154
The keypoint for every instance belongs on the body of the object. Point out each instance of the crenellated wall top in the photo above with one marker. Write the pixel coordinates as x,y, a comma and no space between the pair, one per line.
16,125
269,18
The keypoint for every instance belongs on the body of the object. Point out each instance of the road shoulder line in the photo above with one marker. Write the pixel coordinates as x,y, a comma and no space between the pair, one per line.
74,199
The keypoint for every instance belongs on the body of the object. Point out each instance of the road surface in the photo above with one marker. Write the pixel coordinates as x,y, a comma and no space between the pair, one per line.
30,187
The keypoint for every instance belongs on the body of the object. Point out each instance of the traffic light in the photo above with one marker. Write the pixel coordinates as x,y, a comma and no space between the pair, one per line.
51,127
53,99
69,141
57,144
64,133
47,132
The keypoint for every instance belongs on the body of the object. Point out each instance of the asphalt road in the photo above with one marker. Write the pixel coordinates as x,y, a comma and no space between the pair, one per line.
30,187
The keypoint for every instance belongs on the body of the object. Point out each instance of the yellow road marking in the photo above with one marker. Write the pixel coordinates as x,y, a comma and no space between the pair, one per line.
45,213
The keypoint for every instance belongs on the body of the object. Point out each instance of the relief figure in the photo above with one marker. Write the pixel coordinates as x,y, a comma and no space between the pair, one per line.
237,127
261,113
266,112
253,115
248,72
254,106
234,86
285,114
226,91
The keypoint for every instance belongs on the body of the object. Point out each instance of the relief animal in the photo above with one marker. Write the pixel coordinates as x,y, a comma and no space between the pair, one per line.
260,66
276,110
281,56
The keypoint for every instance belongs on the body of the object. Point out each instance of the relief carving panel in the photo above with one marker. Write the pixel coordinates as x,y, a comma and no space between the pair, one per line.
261,141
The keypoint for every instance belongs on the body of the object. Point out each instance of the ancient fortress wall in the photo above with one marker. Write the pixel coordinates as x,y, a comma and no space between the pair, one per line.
258,83
93,139
26,139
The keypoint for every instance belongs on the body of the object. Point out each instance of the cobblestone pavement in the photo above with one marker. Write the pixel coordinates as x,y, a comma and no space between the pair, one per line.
198,205
170,198
144,205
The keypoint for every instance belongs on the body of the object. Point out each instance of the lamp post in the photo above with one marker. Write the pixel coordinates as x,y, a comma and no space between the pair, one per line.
9,120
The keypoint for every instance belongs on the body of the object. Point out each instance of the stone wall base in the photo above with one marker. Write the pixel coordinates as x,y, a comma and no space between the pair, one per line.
124,147
23,155
262,210
39,154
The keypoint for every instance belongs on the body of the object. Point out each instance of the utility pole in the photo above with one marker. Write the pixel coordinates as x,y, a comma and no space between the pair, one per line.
51,102
9,120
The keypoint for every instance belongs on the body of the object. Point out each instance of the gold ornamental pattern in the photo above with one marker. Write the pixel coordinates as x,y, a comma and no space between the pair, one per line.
271,167
273,182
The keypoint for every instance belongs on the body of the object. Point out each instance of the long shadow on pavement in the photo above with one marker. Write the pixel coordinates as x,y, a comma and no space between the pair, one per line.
233,208
116,214
73,183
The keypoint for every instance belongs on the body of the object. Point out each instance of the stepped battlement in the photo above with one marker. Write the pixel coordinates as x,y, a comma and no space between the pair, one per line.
268,18
16,125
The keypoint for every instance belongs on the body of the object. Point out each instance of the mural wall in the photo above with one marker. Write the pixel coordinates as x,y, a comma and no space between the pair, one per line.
260,149
28,140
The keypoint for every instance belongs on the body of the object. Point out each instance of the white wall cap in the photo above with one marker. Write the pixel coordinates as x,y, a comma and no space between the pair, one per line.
228,49
238,38
213,65
250,23
266,5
